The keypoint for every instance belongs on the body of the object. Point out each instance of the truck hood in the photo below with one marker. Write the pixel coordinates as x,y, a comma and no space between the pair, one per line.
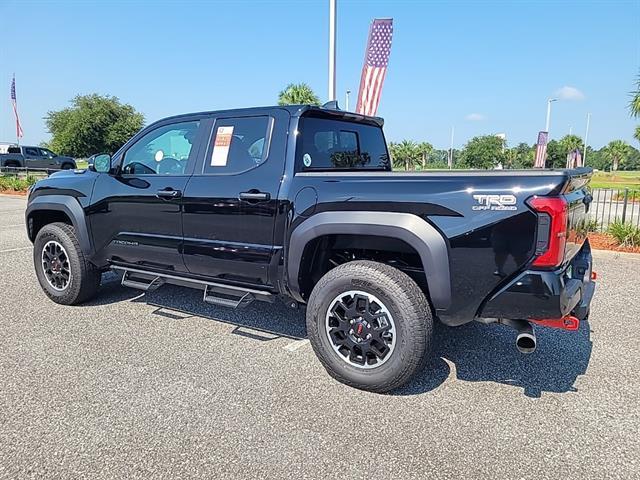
75,183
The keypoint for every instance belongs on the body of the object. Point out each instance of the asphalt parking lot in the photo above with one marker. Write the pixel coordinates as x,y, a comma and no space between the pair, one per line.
162,385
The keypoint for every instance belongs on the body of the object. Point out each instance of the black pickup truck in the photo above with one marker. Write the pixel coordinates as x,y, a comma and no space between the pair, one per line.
300,203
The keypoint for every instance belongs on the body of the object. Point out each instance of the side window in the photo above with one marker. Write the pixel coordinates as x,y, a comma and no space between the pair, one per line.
238,144
45,153
326,144
163,151
33,152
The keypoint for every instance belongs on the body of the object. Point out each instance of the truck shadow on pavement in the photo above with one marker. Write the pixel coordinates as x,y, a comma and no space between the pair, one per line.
476,352
487,353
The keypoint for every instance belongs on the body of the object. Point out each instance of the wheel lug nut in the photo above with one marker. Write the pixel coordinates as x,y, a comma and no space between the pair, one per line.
368,336
352,321
351,332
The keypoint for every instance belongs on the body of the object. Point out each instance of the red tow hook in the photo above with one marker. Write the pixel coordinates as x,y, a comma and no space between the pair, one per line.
569,322
594,276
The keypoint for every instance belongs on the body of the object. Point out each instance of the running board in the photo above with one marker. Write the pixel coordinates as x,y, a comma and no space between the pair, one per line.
214,293
227,298
141,283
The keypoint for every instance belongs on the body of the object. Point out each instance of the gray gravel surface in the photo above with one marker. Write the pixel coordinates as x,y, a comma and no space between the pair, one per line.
163,386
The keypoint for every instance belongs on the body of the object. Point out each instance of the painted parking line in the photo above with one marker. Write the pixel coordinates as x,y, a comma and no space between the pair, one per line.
293,346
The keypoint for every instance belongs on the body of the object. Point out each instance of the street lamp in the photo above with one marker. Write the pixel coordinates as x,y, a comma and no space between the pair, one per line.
346,100
546,128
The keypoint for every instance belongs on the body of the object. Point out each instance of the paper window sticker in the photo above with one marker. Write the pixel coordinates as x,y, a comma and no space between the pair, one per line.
221,146
306,160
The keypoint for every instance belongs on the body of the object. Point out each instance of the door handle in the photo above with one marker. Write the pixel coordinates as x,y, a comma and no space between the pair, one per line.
168,193
255,196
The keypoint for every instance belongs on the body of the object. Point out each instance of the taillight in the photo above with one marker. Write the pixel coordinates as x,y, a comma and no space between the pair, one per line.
553,215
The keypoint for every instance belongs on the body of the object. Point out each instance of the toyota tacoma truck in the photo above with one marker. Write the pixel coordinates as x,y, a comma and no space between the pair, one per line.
35,157
300,203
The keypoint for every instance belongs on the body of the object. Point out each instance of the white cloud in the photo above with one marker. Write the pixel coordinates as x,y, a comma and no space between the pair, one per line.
475,117
569,93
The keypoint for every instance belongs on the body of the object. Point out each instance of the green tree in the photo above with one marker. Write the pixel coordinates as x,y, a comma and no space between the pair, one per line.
617,151
93,124
425,149
483,152
634,106
405,155
298,94
520,156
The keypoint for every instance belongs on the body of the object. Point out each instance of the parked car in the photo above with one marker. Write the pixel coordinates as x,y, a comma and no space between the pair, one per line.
35,157
300,203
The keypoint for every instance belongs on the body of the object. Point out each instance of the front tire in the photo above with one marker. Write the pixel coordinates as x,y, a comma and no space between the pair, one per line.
370,325
64,273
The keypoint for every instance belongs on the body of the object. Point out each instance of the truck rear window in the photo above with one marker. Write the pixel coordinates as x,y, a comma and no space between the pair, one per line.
326,144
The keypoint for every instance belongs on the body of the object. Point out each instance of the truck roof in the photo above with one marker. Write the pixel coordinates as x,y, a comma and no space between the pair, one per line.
294,111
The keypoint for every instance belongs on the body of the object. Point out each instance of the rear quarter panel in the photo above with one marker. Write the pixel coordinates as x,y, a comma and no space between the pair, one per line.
488,241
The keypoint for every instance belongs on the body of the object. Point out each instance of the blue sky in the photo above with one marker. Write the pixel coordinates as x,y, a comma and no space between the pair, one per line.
484,67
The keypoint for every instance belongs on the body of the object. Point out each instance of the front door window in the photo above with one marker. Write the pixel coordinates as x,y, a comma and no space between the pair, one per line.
163,151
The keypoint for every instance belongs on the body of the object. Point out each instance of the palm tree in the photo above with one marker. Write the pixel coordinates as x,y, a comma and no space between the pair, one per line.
425,149
298,94
617,151
634,104
405,154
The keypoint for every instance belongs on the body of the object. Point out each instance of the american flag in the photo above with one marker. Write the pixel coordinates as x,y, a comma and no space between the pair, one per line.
541,150
375,65
574,158
19,132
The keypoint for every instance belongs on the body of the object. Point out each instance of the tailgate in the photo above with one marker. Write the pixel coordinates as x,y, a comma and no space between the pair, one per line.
578,197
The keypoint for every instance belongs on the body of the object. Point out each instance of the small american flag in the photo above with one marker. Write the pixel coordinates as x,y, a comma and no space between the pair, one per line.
574,158
541,150
19,132
375,65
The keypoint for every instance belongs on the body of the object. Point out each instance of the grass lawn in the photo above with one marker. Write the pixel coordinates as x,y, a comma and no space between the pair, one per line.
629,180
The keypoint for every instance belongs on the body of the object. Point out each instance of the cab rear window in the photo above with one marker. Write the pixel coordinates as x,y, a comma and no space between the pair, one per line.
326,144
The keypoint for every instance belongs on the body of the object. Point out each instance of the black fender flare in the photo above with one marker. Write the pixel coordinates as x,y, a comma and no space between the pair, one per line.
422,236
73,210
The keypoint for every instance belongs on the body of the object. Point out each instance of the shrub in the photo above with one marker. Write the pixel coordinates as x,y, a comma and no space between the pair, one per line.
589,225
17,184
625,234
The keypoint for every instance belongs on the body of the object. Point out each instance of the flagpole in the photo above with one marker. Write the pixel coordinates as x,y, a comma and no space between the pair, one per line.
586,134
332,49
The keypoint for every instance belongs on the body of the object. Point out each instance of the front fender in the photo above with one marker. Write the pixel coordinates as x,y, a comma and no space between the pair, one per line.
413,230
70,206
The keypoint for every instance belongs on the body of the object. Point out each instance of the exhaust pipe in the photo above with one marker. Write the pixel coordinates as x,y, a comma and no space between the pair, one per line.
526,339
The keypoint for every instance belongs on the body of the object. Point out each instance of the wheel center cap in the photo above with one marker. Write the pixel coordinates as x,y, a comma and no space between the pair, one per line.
56,266
360,329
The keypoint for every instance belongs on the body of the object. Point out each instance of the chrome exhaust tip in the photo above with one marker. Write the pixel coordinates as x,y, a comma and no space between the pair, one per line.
526,342
526,339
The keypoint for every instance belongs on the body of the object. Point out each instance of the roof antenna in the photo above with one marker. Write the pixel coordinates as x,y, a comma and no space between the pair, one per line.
331,105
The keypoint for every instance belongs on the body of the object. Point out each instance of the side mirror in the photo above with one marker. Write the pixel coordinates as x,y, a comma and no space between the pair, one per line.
102,163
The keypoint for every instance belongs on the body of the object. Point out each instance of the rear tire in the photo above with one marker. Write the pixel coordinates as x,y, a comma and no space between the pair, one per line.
64,273
348,309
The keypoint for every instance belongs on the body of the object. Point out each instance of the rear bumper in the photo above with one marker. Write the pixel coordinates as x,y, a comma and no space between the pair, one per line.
538,294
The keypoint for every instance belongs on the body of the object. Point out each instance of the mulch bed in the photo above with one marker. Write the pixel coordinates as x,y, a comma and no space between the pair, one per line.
13,192
604,241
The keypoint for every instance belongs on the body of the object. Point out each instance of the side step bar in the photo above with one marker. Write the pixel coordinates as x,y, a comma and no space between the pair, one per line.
214,293
130,280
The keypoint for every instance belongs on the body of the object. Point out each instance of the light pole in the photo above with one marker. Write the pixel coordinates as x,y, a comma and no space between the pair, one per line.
346,100
586,134
450,156
546,128
332,49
